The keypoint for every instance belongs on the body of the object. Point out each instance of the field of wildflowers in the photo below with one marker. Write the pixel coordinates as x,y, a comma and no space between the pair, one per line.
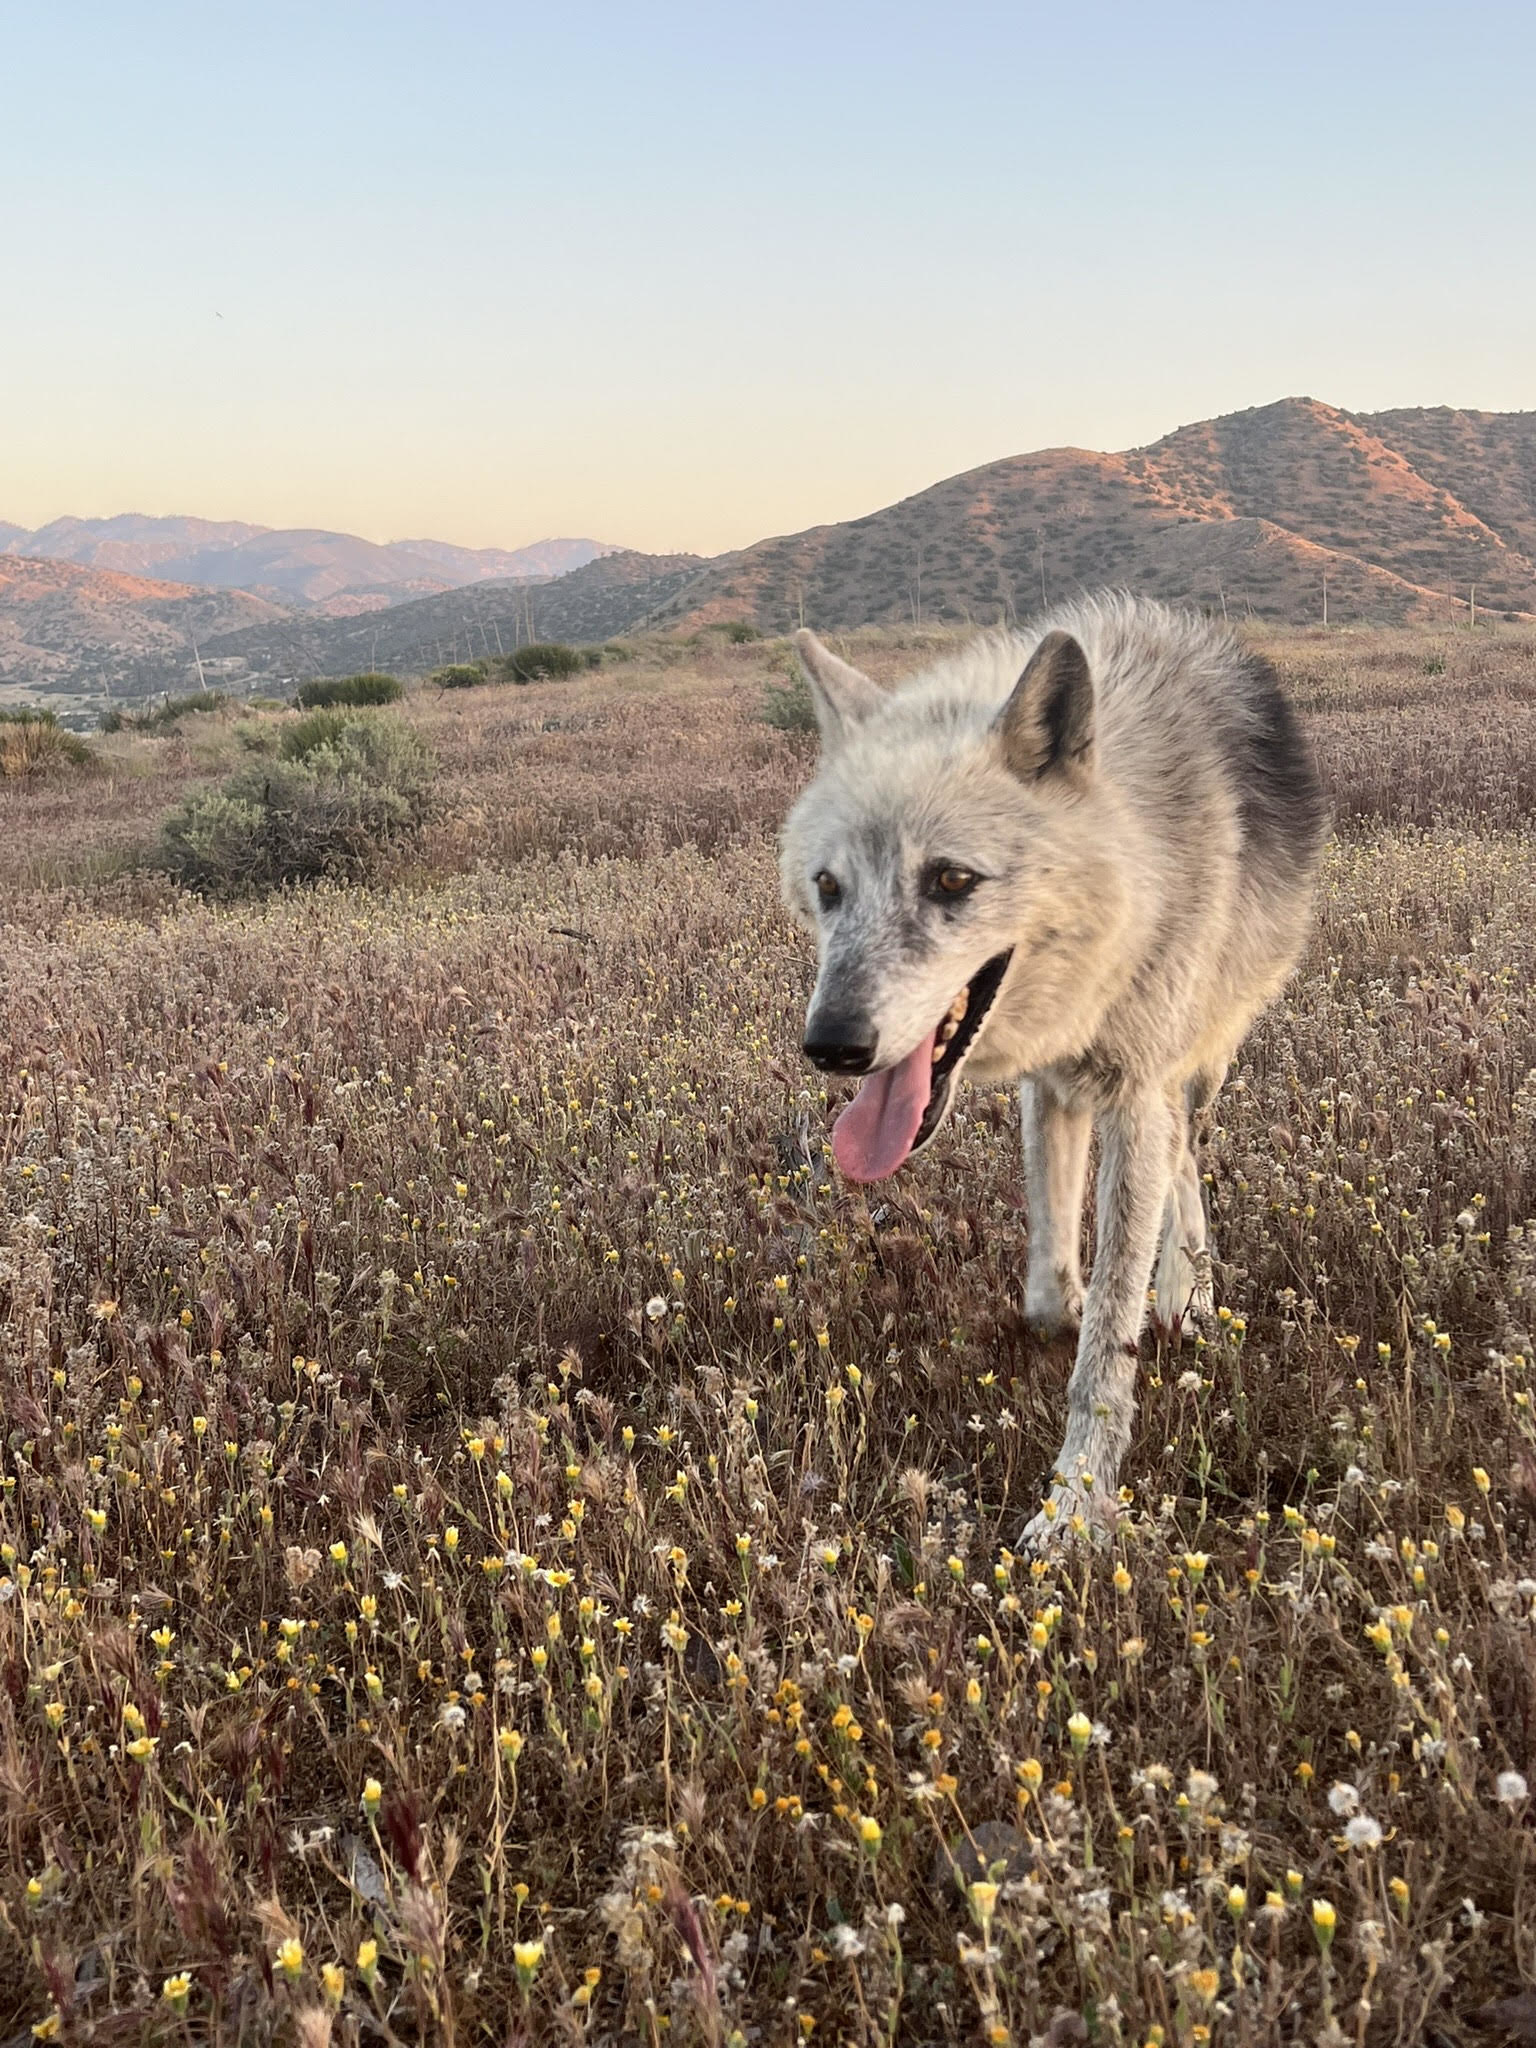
497,1543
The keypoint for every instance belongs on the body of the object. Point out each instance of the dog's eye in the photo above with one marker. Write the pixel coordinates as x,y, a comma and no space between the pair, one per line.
828,887
953,881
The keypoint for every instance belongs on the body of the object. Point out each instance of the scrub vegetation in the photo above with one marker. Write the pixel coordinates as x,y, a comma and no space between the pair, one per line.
497,1543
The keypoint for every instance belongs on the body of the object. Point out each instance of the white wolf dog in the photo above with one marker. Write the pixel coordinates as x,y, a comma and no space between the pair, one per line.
1080,858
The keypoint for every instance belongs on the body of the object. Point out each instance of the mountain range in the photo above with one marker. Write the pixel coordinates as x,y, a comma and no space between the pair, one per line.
303,567
1292,511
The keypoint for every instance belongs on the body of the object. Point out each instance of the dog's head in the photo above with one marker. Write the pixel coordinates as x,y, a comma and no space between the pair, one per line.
942,857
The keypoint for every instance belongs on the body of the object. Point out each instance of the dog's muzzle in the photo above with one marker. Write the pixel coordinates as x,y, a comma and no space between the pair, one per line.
841,1044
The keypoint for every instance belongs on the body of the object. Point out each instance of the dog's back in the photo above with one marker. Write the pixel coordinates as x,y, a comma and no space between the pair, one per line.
1189,718
1218,806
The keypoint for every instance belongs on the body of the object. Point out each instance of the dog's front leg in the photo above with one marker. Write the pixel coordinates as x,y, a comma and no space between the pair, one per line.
1136,1144
1056,1135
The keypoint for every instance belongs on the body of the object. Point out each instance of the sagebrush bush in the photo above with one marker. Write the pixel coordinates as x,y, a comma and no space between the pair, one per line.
459,675
344,795
314,730
543,661
368,688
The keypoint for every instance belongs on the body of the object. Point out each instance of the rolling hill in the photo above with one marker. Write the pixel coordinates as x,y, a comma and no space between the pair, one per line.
1249,513
76,635
611,595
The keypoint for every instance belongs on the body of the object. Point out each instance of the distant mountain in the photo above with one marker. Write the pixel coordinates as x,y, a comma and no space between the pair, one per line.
79,634
542,558
1401,513
132,543
614,594
291,566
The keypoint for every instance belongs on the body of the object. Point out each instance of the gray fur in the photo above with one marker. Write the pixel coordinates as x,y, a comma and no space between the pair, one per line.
1145,815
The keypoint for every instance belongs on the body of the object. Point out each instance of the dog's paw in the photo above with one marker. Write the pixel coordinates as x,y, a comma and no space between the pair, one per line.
1183,1294
1166,1327
1070,1514
1054,1310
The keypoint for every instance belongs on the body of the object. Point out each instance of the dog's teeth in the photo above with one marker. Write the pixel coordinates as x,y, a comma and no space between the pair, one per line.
938,1054
960,1005
947,1030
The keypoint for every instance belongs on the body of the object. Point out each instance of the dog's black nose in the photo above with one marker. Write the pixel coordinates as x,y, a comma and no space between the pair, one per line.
841,1045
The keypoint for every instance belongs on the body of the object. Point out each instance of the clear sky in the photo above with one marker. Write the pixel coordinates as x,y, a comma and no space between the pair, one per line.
681,275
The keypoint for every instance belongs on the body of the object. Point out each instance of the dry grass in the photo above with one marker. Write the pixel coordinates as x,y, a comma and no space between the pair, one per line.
499,1544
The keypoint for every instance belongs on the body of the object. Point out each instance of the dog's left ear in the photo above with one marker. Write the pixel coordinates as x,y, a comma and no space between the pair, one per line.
1046,727
843,695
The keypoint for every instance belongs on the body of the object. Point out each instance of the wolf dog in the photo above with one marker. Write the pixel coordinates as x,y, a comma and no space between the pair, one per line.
1080,858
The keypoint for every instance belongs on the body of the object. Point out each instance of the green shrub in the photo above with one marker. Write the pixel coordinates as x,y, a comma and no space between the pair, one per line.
542,660
370,688
314,730
215,842
256,735
32,742
381,750
460,675
344,795
788,705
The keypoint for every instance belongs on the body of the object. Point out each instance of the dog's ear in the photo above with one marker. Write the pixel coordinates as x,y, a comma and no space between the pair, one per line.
843,696
1046,727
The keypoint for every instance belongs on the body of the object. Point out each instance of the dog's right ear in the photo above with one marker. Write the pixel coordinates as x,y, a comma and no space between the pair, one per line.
843,696
1046,727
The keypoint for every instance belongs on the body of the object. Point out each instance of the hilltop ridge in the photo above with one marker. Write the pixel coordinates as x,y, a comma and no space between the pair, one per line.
1248,512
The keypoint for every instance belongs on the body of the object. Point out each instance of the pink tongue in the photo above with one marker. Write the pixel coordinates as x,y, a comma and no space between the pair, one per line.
875,1132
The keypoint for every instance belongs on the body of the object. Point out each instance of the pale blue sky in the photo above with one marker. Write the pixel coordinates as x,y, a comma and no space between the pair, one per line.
682,275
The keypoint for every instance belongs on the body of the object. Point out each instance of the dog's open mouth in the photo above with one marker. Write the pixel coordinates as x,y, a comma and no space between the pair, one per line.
900,1109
